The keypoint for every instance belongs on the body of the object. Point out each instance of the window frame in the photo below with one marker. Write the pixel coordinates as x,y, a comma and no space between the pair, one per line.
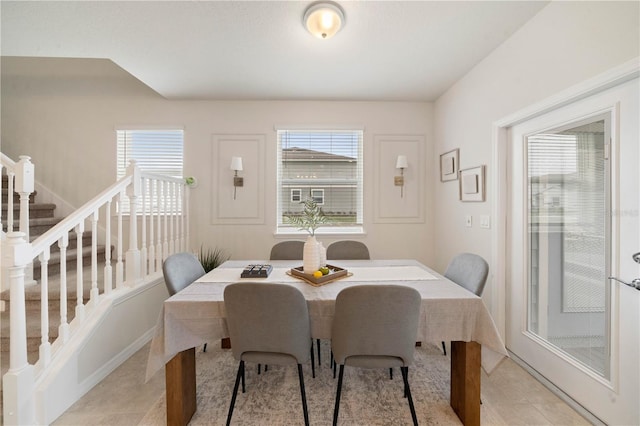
299,195
281,229
123,157
313,197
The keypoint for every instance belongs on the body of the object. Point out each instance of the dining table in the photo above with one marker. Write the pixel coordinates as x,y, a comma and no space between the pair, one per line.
448,313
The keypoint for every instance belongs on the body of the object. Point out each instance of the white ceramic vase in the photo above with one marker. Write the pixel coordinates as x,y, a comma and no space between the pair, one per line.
311,255
323,254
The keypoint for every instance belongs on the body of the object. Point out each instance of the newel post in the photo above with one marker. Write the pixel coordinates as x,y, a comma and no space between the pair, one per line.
18,382
134,191
25,185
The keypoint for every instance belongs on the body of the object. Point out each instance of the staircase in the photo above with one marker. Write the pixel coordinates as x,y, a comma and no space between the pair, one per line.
48,357
42,218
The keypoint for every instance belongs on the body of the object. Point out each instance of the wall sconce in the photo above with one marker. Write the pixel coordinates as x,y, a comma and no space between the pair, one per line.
401,163
236,166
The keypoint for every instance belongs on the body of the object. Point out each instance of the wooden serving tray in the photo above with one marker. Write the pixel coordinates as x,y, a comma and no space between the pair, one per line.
335,273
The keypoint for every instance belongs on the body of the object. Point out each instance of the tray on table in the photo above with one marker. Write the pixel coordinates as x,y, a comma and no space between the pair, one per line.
335,273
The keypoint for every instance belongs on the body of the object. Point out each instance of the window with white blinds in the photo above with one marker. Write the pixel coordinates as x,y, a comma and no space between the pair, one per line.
155,151
324,165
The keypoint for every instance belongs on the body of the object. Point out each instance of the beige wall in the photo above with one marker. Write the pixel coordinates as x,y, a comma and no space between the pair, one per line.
565,44
66,110
64,114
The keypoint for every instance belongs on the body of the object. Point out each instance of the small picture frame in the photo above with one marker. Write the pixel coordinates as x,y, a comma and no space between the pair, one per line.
472,187
449,165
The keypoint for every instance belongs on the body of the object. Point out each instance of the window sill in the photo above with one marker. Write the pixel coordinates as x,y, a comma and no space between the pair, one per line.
325,231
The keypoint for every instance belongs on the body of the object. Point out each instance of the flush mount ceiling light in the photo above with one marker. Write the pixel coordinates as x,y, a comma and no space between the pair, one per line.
323,19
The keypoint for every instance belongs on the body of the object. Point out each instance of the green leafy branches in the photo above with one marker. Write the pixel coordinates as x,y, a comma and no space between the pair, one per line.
312,217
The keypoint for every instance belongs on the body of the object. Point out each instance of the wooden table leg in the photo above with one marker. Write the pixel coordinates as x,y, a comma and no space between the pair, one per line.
180,381
465,381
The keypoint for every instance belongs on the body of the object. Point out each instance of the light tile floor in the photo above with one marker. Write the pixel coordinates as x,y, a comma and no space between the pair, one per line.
510,396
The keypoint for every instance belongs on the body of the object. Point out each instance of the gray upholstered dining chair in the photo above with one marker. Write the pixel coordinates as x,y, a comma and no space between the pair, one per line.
470,271
375,326
180,270
268,323
347,249
287,250
290,250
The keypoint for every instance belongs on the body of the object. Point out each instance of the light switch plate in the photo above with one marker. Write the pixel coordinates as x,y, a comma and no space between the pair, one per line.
468,221
485,221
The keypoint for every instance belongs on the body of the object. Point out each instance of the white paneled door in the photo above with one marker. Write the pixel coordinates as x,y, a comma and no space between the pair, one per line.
573,187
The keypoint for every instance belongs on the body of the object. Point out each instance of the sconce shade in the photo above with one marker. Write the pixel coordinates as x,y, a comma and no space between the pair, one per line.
236,163
323,19
401,162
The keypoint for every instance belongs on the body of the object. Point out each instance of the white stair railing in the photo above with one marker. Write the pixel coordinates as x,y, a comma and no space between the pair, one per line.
153,200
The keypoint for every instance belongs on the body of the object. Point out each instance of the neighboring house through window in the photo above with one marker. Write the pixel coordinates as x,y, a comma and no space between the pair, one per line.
326,166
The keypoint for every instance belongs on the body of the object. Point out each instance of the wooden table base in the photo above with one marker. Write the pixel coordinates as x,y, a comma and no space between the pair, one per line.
180,381
465,382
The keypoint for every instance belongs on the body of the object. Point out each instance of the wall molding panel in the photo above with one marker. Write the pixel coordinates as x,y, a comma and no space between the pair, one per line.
389,205
248,206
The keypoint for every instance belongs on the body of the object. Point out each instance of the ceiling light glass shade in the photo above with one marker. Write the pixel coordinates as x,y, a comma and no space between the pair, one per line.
323,19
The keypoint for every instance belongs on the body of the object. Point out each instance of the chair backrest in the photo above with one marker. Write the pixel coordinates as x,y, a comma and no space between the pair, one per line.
266,317
347,250
376,321
287,250
180,270
470,271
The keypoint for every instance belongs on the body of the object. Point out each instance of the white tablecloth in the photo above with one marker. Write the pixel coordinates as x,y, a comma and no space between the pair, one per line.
196,315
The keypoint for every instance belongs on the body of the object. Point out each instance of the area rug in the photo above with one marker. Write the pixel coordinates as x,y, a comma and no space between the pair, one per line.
369,397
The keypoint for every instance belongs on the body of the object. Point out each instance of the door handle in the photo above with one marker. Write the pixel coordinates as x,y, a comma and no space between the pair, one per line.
634,284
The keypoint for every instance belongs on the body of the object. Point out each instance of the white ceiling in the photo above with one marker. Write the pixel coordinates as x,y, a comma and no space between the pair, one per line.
388,50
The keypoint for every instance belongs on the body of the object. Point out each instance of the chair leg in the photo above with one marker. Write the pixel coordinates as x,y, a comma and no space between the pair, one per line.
405,377
313,363
390,373
444,349
204,348
303,396
318,343
259,368
243,377
235,391
334,368
337,407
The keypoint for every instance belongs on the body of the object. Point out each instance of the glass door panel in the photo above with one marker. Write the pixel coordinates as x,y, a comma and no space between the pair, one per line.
569,240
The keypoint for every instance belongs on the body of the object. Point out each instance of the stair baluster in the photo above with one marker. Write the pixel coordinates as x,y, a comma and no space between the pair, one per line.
108,277
94,294
79,273
45,345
